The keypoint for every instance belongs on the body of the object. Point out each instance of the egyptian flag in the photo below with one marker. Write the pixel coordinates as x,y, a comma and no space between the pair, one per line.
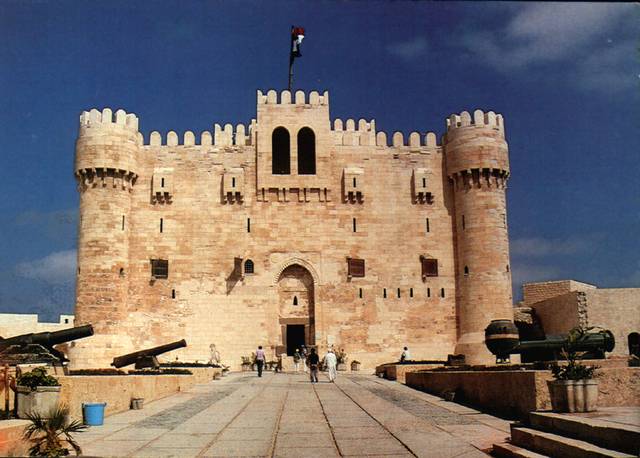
297,35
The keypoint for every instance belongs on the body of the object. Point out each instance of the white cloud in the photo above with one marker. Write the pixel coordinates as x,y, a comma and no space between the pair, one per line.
593,43
57,268
536,247
409,50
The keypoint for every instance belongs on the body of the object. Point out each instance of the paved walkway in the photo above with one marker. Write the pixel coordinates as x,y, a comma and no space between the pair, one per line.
284,415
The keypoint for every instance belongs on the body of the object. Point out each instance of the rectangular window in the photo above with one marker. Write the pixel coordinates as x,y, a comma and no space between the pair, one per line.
360,293
161,224
354,182
354,225
160,268
427,225
428,292
162,182
233,182
463,223
355,267
173,294
424,182
384,293
410,292
398,293
248,224
504,220
441,292
429,267
123,222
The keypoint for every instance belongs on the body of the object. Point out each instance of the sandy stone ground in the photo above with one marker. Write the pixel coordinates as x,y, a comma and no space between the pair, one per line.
284,415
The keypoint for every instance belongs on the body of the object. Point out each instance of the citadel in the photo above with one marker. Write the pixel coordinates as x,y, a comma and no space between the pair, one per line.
293,230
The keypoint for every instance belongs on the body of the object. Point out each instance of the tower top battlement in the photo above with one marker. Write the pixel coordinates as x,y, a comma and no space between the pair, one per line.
479,119
95,118
299,98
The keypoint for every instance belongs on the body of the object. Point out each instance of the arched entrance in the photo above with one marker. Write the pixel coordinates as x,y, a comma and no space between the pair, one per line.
296,308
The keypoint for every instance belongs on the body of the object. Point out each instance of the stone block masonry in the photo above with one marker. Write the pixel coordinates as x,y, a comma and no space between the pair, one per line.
256,235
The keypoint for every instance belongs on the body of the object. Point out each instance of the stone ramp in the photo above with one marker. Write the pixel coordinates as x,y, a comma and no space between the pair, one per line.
610,432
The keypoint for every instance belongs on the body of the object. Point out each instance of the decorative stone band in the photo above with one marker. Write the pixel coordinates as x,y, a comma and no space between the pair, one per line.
479,178
294,194
105,177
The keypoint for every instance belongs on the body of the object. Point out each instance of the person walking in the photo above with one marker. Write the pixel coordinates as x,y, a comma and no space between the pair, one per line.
330,362
260,359
313,361
303,358
406,356
296,360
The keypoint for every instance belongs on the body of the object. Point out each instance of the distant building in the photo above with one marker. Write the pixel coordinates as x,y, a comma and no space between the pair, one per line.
15,324
293,230
558,306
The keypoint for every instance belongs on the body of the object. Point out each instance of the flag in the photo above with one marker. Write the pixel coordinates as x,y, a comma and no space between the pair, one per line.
297,35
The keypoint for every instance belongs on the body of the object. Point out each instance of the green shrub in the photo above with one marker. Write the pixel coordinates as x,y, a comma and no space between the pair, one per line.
37,377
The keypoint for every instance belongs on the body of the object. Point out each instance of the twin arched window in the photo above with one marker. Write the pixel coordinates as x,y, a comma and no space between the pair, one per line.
281,152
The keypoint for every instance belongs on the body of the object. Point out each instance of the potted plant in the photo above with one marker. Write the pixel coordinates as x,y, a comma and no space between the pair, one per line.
355,365
341,356
49,435
246,363
574,388
36,392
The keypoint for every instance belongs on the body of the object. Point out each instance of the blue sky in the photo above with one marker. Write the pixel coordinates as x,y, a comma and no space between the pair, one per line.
566,77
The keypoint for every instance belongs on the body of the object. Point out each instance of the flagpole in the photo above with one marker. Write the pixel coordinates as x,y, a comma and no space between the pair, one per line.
290,58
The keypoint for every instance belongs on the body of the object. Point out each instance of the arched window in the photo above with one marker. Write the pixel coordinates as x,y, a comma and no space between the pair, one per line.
306,152
280,154
248,266
295,300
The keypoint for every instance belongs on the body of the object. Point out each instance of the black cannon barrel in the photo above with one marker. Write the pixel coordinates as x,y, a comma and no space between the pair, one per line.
603,341
48,339
131,358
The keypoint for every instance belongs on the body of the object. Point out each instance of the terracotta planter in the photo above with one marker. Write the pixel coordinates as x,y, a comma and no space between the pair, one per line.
573,395
342,367
40,401
355,366
246,367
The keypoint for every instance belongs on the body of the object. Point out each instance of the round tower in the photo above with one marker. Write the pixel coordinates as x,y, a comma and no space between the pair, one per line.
477,164
105,168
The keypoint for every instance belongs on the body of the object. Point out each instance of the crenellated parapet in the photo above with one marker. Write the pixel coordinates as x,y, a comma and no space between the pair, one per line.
348,133
107,149
477,154
298,98
227,135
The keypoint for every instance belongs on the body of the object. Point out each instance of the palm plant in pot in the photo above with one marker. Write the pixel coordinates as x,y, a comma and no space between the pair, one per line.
574,388
50,436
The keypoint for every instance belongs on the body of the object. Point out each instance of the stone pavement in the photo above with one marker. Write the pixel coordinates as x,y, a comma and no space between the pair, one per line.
284,415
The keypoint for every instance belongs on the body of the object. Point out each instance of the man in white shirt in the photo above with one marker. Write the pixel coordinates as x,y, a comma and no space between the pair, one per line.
261,359
330,361
406,356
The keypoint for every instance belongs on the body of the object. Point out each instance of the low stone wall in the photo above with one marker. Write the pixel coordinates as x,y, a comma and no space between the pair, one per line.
11,443
398,371
118,390
516,393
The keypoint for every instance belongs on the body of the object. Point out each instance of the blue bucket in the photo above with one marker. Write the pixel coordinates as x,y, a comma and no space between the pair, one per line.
93,413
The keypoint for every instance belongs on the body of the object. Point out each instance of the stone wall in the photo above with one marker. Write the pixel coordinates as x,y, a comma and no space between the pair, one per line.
11,442
617,309
558,314
516,393
536,292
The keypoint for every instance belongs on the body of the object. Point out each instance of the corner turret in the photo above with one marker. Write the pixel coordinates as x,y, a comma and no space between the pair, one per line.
477,164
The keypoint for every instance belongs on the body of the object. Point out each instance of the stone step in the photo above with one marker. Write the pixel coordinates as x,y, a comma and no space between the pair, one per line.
508,450
614,436
559,446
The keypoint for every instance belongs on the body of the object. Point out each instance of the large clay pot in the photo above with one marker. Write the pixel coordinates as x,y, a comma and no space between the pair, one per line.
573,395
40,401
590,395
501,337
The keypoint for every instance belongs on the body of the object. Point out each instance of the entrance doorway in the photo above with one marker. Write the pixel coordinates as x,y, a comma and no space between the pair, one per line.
295,337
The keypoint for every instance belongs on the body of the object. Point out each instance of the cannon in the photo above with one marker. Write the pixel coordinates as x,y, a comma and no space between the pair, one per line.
146,358
502,339
38,347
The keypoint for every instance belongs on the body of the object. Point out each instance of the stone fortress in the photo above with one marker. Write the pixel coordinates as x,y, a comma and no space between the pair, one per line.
292,230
